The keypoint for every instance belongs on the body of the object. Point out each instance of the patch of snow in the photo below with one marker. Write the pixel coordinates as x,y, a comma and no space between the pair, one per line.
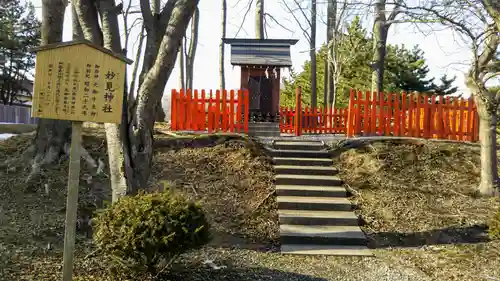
6,136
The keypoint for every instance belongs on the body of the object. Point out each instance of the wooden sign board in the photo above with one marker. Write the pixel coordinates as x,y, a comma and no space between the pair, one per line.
78,81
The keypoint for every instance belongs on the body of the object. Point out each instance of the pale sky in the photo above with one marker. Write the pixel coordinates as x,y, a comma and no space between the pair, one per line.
443,53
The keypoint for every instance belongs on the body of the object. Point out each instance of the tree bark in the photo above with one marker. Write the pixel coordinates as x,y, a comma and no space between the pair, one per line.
312,53
77,28
259,19
193,43
151,91
155,24
89,20
222,76
329,66
138,55
380,30
111,37
52,136
489,184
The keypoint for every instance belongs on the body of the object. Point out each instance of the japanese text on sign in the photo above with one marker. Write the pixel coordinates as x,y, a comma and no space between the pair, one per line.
89,87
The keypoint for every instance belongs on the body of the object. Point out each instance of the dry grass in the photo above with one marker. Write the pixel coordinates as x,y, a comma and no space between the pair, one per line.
421,199
16,128
227,173
418,202
232,183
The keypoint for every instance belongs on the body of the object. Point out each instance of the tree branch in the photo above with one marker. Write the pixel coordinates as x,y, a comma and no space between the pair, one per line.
244,18
166,12
303,13
275,21
147,14
304,31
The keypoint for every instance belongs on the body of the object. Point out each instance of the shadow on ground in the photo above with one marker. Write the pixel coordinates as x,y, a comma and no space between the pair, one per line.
237,241
451,235
240,274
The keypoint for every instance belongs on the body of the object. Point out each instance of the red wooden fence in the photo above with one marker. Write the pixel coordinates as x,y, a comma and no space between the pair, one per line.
412,115
319,121
381,114
226,111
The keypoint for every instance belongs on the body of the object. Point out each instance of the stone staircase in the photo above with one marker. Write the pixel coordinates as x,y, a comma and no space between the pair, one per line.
264,129
315,216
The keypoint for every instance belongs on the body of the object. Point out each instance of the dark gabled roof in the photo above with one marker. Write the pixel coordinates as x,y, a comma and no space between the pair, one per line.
271,52
86,42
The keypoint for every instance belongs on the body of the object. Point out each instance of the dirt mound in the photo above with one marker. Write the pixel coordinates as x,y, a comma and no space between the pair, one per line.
233,181
416,187
418,199
227,173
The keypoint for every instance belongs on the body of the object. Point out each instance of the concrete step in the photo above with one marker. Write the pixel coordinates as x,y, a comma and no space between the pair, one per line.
307,180
301,217
313,203
327,250
322,235
262,133
263,125
299,145
311,190
305,170
297,161
299,153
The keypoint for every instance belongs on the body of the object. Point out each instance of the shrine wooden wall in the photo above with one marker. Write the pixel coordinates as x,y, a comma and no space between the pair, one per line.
246,72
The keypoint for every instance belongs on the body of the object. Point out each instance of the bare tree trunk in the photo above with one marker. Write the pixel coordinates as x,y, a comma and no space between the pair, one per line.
331,44
312,53
182,70
160,113
193,43
77,29
155,23
381,27
221,46
489,184
151,91
131,90
259,19
111,36
52,136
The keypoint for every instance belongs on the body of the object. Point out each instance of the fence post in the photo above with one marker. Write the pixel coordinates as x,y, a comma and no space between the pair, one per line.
298,111
173,111
247,109
350,115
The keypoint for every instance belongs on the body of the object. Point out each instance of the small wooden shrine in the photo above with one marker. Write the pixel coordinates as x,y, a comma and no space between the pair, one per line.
261,61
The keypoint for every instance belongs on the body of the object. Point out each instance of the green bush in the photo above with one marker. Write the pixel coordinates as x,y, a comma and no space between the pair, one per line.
494,226
146,231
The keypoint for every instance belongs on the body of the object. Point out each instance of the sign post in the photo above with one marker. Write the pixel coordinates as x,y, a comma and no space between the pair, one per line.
80,82
72,199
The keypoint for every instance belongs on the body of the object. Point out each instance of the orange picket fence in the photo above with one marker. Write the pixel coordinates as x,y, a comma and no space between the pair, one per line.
224,111
319,121
412,115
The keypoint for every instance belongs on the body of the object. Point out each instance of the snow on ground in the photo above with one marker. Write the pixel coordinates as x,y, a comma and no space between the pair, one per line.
6,136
